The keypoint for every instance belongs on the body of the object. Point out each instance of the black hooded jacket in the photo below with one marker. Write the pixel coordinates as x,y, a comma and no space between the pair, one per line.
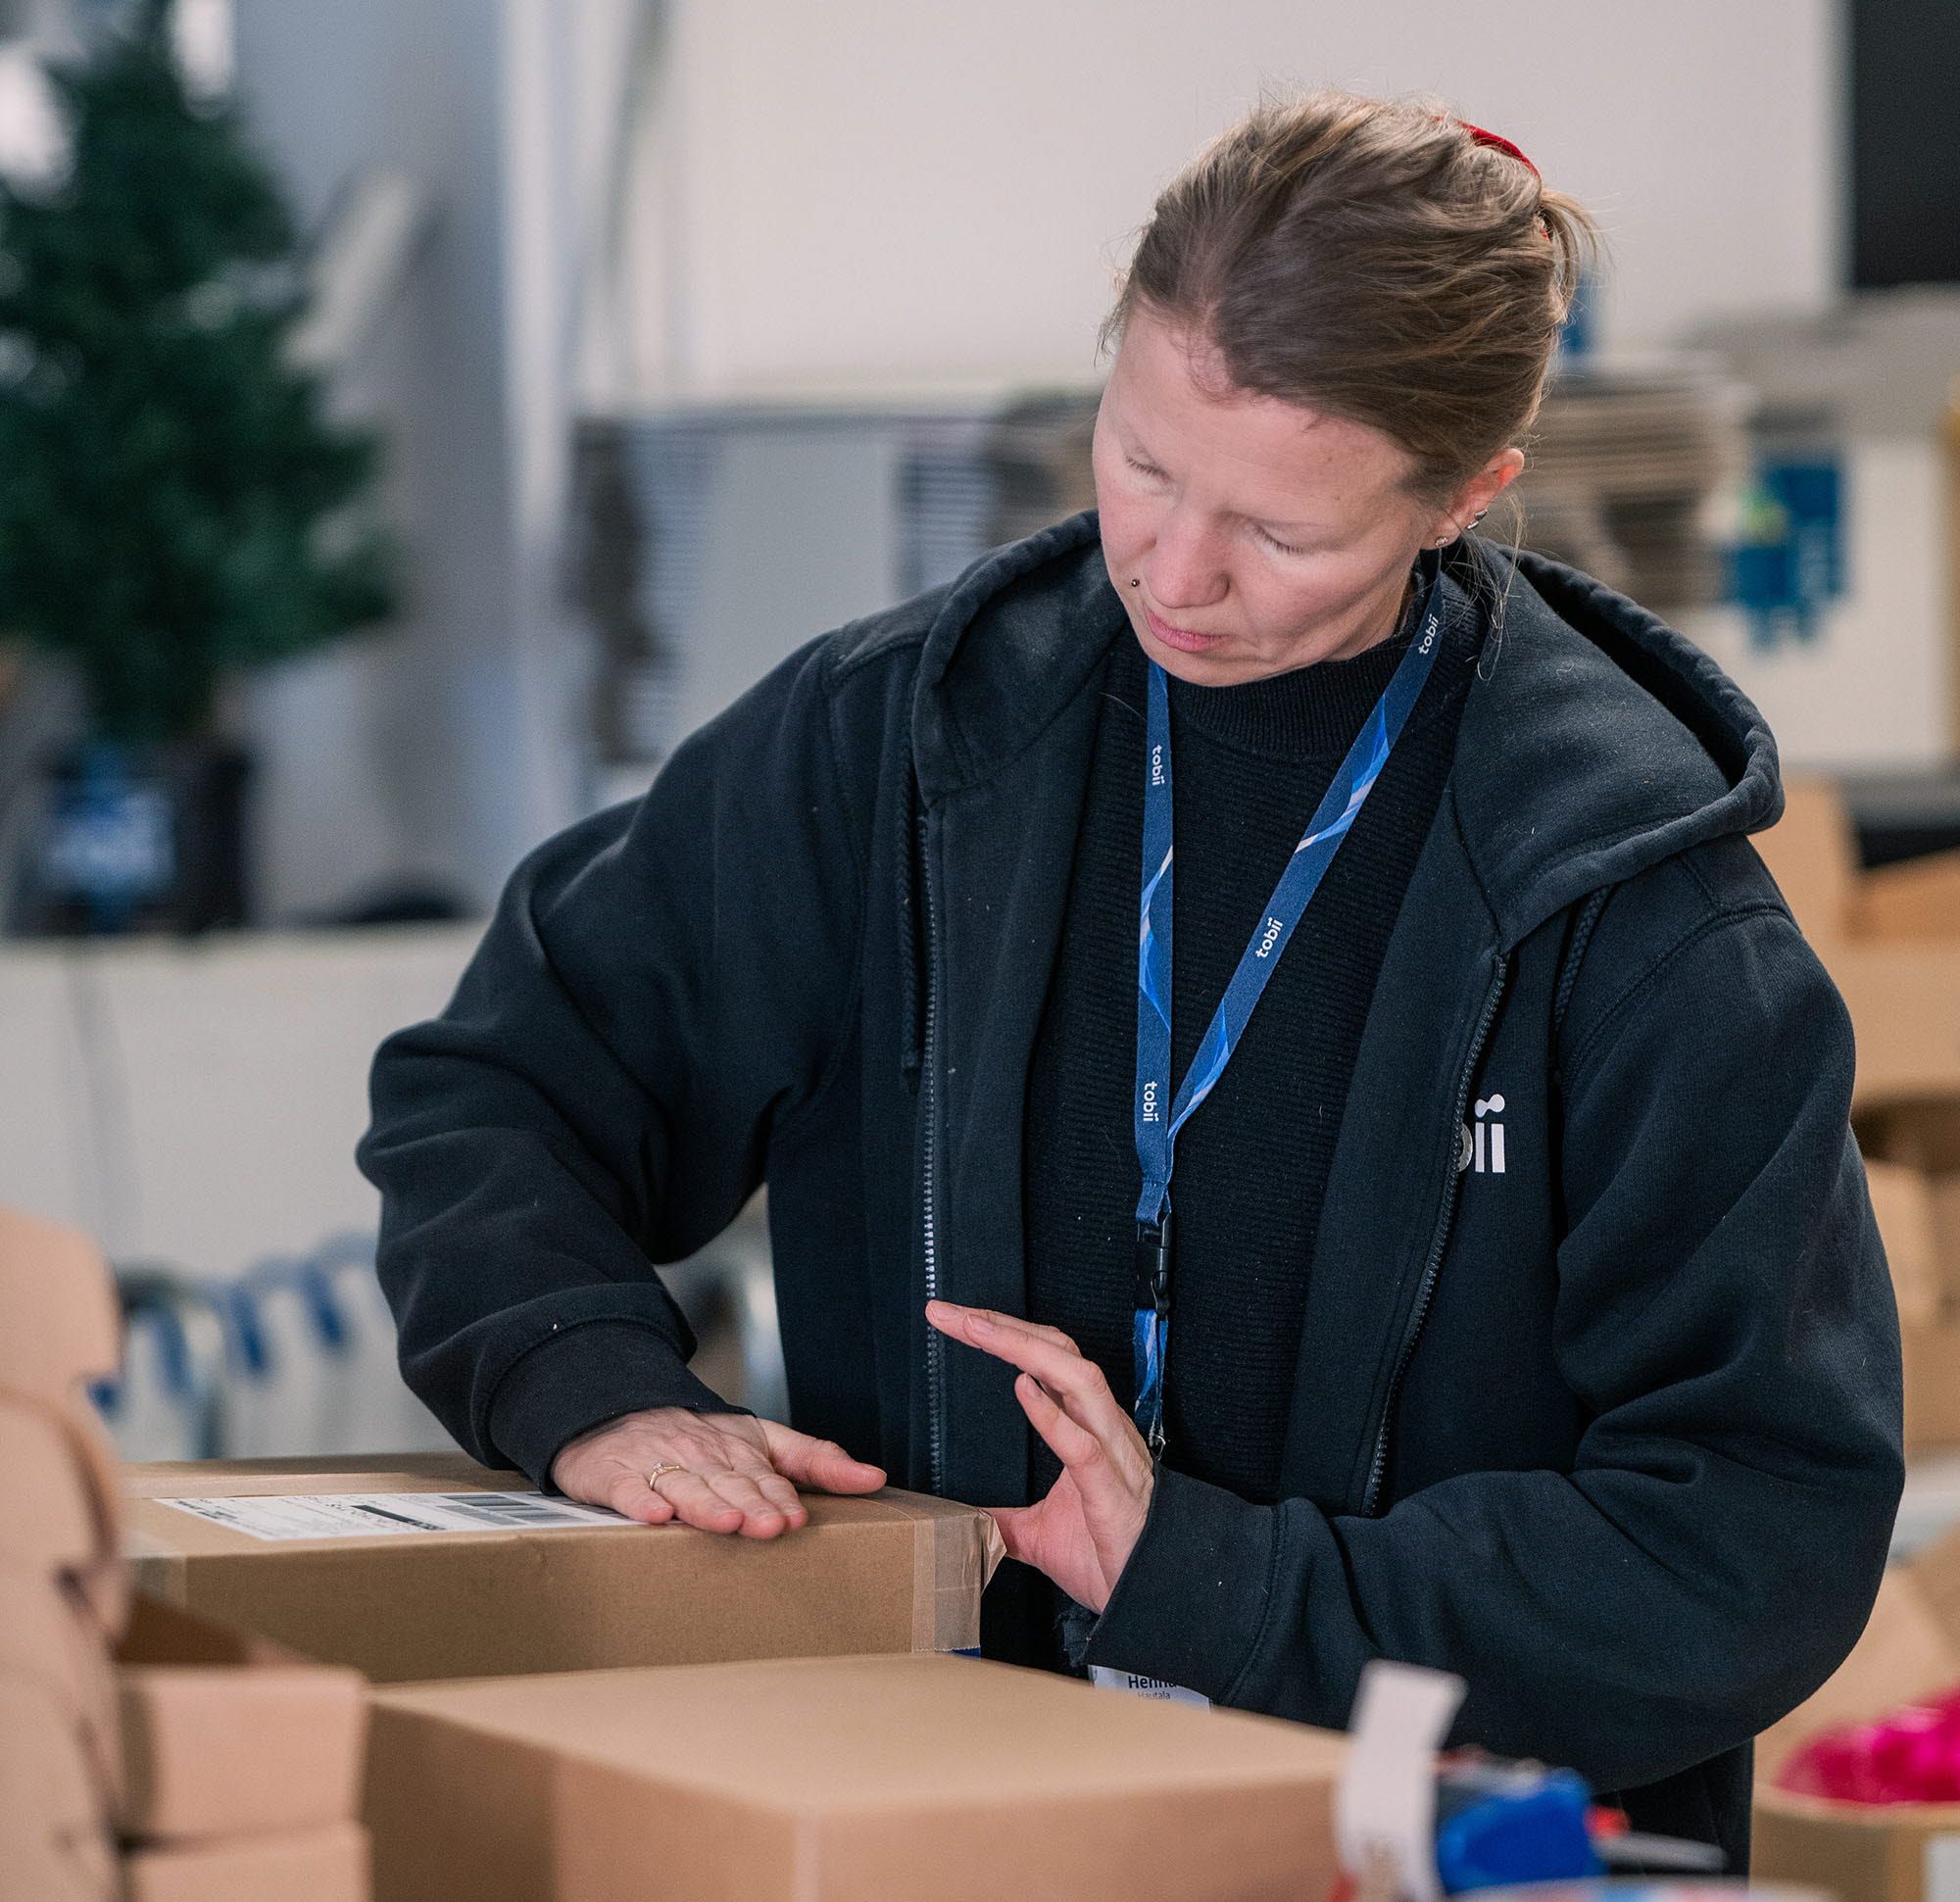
1614,1430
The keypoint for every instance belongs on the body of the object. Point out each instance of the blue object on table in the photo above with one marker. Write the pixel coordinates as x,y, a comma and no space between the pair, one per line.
1532,1831
1790,558
109,841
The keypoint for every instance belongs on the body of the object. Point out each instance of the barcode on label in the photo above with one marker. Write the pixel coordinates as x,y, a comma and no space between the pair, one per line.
505,1508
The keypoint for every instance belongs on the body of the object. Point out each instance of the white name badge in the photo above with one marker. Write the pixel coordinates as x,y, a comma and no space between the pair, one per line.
1137,1684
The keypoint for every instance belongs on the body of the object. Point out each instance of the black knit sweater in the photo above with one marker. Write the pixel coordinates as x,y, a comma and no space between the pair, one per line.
1251,763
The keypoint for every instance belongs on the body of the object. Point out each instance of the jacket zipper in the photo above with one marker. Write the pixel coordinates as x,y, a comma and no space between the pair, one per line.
935,1347
1426,1290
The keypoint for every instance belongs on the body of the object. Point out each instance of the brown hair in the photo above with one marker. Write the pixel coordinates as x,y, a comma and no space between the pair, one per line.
1369,258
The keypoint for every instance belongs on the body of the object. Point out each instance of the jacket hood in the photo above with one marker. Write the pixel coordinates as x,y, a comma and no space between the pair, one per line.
1596,740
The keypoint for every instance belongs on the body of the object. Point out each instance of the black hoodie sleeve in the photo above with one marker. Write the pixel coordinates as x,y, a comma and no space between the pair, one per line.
1724,1315
661,987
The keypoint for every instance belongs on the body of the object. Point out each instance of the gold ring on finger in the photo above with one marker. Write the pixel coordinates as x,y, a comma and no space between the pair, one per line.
660,1472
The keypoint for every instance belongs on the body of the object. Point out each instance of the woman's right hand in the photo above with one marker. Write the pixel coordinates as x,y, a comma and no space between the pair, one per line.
736,1474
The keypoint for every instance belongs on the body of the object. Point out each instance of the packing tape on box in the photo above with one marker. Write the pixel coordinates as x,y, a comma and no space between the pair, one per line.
955,1553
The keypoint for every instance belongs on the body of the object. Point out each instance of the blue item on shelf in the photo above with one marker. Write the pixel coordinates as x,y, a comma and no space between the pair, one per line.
1522,1826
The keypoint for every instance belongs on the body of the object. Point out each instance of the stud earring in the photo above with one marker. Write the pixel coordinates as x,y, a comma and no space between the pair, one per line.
1135,579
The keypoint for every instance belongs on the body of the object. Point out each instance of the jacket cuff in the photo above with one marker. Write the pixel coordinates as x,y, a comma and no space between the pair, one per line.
1192,1602
578,1379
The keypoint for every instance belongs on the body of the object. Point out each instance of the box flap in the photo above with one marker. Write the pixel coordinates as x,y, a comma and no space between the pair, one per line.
227,1734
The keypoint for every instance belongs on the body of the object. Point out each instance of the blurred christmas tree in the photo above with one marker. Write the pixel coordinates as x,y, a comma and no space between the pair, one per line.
174,504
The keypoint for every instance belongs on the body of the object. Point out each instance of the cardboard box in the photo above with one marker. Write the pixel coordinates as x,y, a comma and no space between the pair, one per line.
1812,852
1918,898
228,1734
832,1780
49,1641
1910,1649
1904,1002
1912,1152
60,1503
59,1320
312,1866
1903,1200
1890,938
894,1571
55,1843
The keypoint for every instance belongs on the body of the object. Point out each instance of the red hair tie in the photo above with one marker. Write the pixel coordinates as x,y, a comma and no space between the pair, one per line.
1492,139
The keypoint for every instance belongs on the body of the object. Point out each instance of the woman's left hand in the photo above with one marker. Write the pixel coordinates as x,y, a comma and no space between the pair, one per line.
1082,1535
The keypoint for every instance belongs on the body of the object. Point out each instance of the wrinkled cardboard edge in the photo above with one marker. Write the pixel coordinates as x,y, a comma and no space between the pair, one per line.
955,1551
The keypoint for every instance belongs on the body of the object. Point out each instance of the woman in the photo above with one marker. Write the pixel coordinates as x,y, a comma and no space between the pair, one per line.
1521,1312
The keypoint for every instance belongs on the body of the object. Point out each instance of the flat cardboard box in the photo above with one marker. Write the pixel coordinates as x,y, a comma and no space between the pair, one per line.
894,1572
328,1865
225,1734
1868,1853
50,1639
836,1780
59,1321
51,1785
59,1474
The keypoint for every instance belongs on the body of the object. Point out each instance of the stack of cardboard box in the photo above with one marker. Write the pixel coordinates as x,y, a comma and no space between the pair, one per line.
62,1595
241,1765
145,1755
655,1711
1891,940
631,1710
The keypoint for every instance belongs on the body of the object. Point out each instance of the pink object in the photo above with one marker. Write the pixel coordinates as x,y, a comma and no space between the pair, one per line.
1912,1756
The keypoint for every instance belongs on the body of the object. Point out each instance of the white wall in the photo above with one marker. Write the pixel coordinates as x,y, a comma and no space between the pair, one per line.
878,190
448,746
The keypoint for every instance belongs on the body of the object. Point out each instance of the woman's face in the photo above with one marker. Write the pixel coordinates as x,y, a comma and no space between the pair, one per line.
1262,535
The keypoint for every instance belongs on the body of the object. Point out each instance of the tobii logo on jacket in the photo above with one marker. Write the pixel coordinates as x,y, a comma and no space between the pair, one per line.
1483,1148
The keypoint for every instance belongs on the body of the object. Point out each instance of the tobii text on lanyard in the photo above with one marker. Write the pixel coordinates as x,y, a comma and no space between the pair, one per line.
1159,1115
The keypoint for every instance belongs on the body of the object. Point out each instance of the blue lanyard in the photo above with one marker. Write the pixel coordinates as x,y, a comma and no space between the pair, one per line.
1159,1115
